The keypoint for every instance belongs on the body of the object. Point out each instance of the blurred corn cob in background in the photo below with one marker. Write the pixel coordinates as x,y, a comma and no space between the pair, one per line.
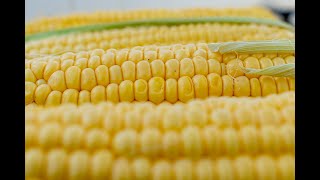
159,35
240,138
78,19
198,26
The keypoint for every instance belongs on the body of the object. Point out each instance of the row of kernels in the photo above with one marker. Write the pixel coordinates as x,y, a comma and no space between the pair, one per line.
190,141
156,89
55,45
142,69
165,116
58,164
76,19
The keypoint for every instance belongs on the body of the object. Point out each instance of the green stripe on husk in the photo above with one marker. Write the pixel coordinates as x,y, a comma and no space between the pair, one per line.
266,46
159,22
285,70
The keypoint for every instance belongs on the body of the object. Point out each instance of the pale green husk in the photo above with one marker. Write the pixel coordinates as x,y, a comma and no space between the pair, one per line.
285,70
266,46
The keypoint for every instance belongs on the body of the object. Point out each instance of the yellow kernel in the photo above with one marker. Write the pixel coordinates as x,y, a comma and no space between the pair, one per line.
241,86
234,68
255,87
79,165
268,85
183,169
66,64
222,118
121,170
135,56
84,96
94,62
122,56
57,164
156,87
150,142
162,170
70,96
158,68
88,79
113,92
30,89
82,63
54,98
108,59
165,54
214,66
34,163
141,168
129,70
115,74
57,81
200,65
186,67
214,84
227,85
192,144
125,143
141,90
96,139
172,69
200,84
73,77
101,165
171,92
98,94
102,75
38,67
41,93
49,136
185,89
126,91
143,70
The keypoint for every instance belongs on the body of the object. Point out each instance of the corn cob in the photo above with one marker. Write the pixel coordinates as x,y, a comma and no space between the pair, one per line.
60,22
194,129
61,164
154,73
179,135
160,35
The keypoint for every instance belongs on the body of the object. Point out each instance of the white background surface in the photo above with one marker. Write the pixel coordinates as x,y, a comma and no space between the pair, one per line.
38,8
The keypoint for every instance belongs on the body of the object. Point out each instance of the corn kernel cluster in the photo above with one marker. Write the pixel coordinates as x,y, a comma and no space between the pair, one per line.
154,102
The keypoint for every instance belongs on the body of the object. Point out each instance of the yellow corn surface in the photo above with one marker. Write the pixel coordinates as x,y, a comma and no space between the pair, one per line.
150,73
154,103
242,138
156,35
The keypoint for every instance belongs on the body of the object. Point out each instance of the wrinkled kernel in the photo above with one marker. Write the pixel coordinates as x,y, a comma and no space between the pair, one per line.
186,67
156,89
200,84
234,68
171,92
185,89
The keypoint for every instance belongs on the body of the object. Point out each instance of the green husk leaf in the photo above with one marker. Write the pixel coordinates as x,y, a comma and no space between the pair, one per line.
285,70
266,46
158,22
